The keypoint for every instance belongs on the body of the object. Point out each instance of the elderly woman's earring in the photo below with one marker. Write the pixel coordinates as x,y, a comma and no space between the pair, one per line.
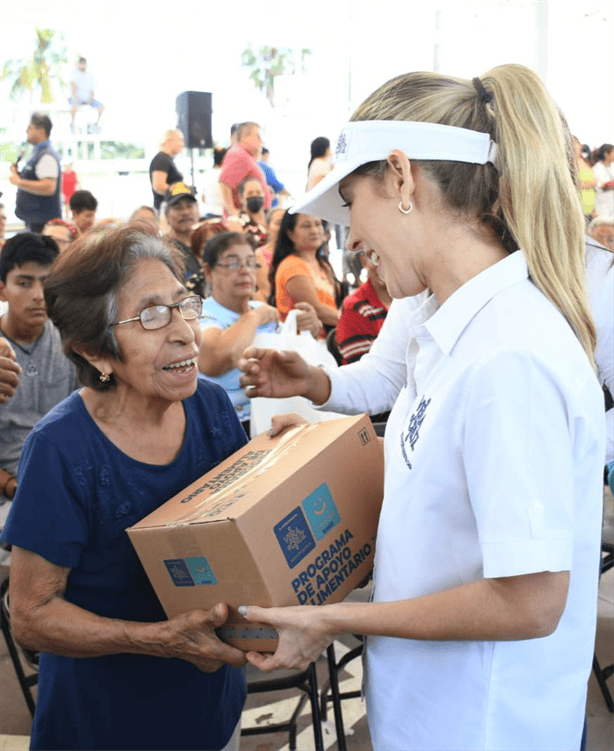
405,211
105,377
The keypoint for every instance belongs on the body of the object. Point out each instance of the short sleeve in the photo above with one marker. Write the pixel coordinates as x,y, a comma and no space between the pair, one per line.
47,167
355,333
208,321
48,515
234,168
292,266
518,458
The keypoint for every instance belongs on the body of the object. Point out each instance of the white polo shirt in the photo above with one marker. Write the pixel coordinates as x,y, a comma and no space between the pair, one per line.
494,462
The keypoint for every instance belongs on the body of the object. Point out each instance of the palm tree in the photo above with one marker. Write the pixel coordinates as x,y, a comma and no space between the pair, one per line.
269,62
40,71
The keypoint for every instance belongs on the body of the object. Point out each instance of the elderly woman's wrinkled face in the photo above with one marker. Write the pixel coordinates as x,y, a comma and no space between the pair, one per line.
159,364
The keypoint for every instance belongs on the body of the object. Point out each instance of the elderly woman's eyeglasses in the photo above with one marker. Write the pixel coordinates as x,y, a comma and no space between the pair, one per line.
158,316
234,263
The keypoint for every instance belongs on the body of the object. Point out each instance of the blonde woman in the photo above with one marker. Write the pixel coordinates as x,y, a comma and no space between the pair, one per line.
481,630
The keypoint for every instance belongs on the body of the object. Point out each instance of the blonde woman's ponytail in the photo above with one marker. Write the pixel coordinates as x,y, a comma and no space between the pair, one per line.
537,195
528,198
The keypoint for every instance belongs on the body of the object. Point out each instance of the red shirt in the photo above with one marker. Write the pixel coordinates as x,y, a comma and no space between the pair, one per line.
362,317
237,165
69,184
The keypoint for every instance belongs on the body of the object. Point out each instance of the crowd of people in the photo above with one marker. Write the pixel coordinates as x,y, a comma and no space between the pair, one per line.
472,318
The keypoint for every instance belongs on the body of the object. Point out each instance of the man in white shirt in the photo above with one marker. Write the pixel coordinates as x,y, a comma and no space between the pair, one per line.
82,92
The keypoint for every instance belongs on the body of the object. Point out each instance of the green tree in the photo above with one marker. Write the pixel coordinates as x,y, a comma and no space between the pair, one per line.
269,62
121,150
39,72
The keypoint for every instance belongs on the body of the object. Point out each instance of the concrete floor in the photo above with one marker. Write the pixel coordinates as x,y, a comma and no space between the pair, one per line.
15,719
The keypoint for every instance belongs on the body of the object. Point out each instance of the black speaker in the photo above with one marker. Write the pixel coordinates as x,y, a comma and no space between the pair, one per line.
194,119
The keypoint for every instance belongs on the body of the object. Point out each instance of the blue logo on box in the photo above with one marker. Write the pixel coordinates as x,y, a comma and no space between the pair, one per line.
321,511
294,537
200,570
179,572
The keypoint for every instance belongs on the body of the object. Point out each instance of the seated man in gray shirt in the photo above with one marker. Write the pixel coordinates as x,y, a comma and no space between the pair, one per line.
34,373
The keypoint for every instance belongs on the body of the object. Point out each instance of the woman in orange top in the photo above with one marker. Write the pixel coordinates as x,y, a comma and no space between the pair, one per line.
299,273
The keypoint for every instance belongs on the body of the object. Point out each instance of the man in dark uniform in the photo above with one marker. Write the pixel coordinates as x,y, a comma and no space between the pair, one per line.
39,184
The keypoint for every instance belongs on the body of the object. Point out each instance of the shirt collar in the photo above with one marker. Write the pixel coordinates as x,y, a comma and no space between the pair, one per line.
42,145
450,320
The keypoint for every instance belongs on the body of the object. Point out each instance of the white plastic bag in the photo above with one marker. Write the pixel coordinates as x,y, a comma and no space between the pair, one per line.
287,339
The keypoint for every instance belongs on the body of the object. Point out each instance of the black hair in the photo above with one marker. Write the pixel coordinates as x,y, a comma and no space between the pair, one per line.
26,247
319,147
220,243
82,200
284,247
218,155
39,120
265,151
243,183
599,155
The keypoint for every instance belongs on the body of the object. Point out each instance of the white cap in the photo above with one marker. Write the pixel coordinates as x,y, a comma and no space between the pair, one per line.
373,140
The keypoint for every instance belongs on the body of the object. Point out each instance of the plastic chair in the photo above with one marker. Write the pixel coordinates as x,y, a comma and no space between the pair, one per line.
336,696
282,680
330,691
607,562
25,681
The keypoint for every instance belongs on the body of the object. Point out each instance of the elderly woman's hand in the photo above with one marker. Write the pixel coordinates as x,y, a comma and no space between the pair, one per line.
307,319
193,639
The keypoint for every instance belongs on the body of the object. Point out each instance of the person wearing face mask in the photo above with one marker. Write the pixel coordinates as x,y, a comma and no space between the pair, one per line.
252,216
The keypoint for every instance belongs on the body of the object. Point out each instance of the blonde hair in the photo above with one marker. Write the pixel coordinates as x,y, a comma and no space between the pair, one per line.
528,198
168,135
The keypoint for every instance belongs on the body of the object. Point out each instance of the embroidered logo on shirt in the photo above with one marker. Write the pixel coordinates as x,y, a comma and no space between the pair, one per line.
341,144
411,435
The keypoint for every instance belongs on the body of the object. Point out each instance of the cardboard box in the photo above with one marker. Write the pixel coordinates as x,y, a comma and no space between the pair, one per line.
284,521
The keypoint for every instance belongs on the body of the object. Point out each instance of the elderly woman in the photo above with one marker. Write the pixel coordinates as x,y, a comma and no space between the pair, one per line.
231,319
114,672
300,273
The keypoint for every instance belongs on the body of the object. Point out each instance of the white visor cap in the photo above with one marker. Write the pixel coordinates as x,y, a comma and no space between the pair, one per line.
373,140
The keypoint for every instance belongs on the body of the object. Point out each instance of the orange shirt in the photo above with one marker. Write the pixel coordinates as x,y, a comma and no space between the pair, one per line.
295,266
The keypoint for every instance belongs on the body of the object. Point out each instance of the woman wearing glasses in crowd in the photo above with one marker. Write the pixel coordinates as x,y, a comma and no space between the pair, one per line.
114,672
231,318
481,630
